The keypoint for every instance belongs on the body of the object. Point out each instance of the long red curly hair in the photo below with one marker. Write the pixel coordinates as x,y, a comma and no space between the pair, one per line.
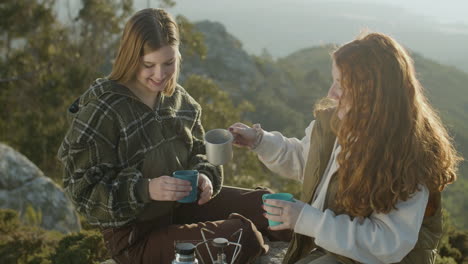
392,140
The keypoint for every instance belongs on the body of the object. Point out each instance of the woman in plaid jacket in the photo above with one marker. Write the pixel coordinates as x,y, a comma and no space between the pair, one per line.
133,129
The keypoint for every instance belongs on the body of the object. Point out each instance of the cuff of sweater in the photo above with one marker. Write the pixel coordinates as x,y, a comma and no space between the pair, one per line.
216,184
214,173
305,224
266,145
142,190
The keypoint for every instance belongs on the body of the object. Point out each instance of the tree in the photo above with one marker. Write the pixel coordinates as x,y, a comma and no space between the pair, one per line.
46,65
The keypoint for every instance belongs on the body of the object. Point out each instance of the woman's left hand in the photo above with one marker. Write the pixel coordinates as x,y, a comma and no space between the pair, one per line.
284,211
206,188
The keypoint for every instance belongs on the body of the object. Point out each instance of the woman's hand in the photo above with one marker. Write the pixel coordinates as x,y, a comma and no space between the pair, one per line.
285,211
167,188
206,188
244,136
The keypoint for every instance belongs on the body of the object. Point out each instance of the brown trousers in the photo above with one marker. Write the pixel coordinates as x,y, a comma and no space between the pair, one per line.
153,242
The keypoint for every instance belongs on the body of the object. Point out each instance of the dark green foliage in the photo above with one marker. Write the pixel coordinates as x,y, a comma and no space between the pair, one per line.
26,247
81,248
445,260
448,252
192,43
32,217
85,225
9,221
22,243
459,240
166,3
455,246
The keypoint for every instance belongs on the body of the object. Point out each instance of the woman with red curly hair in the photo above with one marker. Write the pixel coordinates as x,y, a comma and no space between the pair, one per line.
373,163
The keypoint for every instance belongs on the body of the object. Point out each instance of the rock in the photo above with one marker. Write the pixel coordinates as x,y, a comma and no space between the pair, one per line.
275,254
23,184
109,261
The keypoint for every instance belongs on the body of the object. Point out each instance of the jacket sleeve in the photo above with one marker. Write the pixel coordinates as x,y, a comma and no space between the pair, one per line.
285,156
379,238
198,160
108,193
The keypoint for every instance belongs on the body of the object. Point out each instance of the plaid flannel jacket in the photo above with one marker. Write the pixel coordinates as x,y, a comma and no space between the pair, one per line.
115,143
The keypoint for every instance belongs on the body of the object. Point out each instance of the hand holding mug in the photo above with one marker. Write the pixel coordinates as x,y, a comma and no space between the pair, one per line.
206,188
244,136
285,213
193,177
166,188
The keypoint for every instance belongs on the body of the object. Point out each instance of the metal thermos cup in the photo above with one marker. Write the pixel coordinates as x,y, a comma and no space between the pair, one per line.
218,143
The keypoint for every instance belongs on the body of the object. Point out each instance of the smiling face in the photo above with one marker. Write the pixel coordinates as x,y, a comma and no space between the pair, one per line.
156,69
154,33
336,92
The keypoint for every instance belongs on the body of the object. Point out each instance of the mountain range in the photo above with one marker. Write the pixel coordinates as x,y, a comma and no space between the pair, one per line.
285,26
283,91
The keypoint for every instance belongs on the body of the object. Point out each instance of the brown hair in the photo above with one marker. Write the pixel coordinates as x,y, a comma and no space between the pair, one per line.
391,138
146,31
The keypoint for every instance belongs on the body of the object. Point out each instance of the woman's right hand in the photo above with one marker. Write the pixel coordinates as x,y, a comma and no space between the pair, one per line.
166,188
244,136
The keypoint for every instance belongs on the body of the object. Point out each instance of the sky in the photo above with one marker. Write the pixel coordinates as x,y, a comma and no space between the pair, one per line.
411,21
445,11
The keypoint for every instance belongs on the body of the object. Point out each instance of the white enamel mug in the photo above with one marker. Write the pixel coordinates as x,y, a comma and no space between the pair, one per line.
218,143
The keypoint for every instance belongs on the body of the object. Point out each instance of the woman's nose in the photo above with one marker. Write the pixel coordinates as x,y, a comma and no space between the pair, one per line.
158,73
332,93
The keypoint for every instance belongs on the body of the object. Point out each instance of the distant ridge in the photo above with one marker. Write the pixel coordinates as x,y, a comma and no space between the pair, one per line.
283,27
283,91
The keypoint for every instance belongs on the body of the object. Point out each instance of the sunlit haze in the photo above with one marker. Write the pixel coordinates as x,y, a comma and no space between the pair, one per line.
448,11
435,29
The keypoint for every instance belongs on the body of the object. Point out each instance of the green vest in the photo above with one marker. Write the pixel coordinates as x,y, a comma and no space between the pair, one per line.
321,146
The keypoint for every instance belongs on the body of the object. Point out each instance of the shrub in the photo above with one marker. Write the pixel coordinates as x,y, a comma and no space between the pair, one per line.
81,248
26,243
